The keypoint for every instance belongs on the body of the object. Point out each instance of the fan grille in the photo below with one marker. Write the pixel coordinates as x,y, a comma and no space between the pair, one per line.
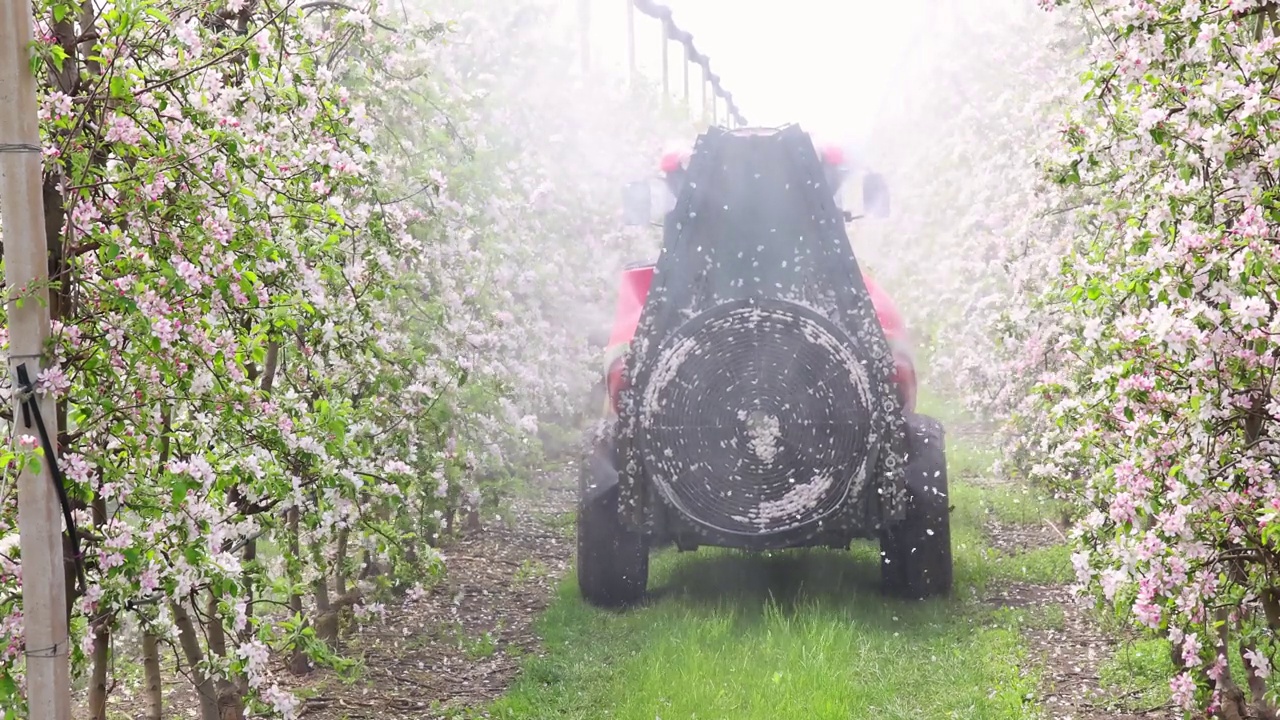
756,418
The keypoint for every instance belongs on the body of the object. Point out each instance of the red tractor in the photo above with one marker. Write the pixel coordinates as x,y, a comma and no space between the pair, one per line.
759,390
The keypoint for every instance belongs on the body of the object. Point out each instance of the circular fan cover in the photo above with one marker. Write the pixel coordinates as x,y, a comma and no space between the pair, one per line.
757,418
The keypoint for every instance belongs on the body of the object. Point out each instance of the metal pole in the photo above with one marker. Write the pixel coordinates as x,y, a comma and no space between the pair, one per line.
687,60
666,65
631,42
705,81
26,269
584,25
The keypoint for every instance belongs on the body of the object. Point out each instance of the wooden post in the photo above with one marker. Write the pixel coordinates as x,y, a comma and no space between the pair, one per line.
26,269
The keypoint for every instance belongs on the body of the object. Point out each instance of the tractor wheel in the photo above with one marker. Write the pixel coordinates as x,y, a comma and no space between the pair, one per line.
916,552
613,561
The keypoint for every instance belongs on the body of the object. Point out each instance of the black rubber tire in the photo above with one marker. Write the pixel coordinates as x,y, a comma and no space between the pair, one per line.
613,561
915,558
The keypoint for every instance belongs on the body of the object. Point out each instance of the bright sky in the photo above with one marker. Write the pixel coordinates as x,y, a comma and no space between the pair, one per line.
825,64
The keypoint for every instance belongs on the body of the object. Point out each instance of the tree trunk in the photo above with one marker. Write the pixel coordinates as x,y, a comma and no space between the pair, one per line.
1261,709
230,703
101,664
250,558
153,698
189,640
1233,702
299,664
101,639
326,618
250,552
473,520
340,573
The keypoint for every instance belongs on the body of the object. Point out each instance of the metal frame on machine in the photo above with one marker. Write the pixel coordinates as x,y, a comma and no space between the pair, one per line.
717,104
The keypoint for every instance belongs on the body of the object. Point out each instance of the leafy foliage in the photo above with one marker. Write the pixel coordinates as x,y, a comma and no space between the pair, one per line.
1088,237
1163,391
319,271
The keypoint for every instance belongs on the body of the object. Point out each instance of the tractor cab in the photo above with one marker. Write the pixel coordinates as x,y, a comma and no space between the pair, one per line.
647,202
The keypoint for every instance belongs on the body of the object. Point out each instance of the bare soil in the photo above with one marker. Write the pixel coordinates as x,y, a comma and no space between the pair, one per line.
461,644
1071,651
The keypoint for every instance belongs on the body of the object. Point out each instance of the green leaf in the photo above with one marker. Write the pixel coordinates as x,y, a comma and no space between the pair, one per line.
338,428
119,87
179,491
59,56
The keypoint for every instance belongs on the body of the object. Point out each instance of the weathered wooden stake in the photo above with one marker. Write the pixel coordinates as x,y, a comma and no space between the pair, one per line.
26,275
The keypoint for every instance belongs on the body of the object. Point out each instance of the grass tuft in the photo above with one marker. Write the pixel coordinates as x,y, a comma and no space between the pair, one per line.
788,635
1137,675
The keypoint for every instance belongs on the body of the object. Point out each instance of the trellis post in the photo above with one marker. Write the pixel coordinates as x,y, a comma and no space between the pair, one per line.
26,278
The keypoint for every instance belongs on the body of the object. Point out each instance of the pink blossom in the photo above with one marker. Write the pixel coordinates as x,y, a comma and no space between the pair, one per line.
1183,689
1259,662
1191,650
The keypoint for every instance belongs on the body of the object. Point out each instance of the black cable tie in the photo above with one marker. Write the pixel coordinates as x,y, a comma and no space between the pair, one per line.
31,413
49,652
19,148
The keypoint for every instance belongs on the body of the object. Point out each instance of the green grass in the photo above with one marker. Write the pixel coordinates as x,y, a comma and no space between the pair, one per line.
1137,675
804,634
792,635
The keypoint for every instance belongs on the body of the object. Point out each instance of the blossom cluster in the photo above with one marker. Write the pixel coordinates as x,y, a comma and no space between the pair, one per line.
1086,234
1160,384
322,281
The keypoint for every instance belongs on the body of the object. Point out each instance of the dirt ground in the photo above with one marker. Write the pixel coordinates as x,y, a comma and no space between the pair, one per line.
1072,651
462,643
